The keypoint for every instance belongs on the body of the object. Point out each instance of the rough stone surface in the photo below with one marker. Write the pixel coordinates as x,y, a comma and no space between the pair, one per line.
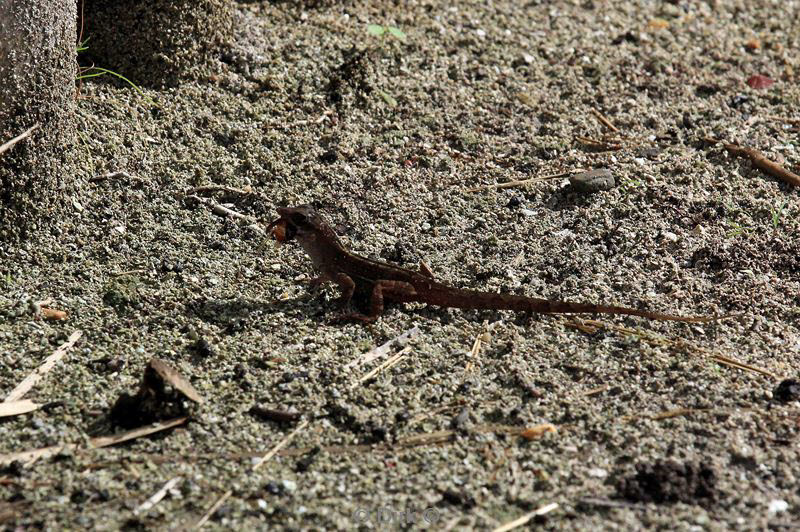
158,43
593,181
37,86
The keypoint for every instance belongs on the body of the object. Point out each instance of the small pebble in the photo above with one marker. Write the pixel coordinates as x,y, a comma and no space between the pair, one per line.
672,237
593,181
777,506
787,390
598,472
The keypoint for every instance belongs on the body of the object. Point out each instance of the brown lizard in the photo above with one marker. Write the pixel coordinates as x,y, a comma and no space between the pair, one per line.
383,281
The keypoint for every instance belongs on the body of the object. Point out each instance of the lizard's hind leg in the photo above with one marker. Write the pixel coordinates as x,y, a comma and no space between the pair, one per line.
380,291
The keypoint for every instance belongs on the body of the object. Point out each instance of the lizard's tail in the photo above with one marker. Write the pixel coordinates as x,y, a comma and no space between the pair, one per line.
470,299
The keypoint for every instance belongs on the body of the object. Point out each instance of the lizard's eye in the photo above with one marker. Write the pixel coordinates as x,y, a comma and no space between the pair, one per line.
297,218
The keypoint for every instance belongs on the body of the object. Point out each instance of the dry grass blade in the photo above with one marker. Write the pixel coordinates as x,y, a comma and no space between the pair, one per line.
602,145
593,326
22,136
678,412
157,496
31,380
527,517
391,362
268,456
29,457
214,507
484,337
105,441
281,444
741,365
519,183
384,349
15,408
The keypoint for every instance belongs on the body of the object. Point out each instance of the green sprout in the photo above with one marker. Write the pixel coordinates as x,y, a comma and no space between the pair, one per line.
96,71
776,215
381,31
737,229
376,30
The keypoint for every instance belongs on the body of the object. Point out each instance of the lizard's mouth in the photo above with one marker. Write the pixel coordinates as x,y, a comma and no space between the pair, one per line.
282,229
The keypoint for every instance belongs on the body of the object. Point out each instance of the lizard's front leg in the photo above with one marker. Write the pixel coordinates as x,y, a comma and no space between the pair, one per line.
346,285
380,290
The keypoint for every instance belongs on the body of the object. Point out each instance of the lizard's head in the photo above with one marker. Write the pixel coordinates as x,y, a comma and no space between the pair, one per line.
309,228
301,223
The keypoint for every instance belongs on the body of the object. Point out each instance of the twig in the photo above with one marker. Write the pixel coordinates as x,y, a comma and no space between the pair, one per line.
599,144
678,412
128,272
218,188
527,517
518,183
115,175
31,380
157,496
22,136
105,441
762,163
595,391
305,121
221,210
605,121
793,121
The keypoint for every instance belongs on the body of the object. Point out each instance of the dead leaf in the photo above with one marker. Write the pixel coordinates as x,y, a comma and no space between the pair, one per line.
172,377
537,431
759,82
53,314
658,24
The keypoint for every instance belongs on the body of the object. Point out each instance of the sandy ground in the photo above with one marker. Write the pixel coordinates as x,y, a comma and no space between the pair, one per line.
388,136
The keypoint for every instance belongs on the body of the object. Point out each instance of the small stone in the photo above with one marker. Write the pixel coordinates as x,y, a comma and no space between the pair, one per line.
514,202
777,506
672,237
598,472
593,181
649,153
787,390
